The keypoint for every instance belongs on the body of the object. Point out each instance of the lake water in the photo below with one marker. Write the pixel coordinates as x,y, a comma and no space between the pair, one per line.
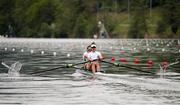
116,86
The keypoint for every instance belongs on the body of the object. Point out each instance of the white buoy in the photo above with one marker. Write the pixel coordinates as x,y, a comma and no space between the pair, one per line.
122,48
163,50
22,50
68,55
157,45
42,52
179,51
167,45
54,53
148,49
13,49
32,51
5,49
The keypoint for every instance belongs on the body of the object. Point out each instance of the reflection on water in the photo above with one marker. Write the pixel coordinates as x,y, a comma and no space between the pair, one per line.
117,86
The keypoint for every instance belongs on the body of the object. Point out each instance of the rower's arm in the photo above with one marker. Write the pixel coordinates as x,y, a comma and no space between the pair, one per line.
101,57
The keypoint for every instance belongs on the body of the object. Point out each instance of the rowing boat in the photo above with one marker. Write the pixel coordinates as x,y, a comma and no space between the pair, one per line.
82,71
116,64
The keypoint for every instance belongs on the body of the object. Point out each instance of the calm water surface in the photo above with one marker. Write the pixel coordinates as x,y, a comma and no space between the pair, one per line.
117,86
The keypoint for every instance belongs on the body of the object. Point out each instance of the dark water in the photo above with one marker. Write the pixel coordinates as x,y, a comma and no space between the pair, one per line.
117,86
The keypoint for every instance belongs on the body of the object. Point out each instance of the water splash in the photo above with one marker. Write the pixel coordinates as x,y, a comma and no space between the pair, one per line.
14,69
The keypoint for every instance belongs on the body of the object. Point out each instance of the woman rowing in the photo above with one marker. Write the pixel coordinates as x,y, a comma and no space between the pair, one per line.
94,57
85,57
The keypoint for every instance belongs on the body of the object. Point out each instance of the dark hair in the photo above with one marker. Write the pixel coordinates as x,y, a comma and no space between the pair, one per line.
88,47
93,43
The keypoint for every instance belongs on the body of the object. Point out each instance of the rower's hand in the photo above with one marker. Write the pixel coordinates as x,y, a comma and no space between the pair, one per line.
93,60
101,59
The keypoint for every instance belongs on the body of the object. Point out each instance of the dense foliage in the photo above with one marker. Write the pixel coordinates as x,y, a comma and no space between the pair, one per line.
79,18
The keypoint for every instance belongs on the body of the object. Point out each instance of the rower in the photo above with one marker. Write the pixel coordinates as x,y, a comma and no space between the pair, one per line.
94,57
85,57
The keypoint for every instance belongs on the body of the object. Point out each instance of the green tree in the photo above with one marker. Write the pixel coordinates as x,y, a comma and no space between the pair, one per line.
138,25
20,18
170,18
6,19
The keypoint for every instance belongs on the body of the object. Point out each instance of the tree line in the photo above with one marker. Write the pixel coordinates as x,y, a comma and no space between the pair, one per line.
79,18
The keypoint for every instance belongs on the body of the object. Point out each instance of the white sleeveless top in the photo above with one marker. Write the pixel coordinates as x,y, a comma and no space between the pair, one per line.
85,56
94,55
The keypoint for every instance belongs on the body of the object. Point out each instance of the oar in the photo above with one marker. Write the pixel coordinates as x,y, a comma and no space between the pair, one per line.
120,65
5,65
64,66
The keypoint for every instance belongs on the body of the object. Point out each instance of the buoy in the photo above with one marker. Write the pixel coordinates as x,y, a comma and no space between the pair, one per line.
54,53
136,61
5,49
150,63
113,59
42,52
32,51
22,50
163,50
68,55
13,49
122,48
148,49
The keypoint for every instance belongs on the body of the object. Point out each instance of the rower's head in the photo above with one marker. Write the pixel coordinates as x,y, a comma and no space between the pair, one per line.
93,47
89,48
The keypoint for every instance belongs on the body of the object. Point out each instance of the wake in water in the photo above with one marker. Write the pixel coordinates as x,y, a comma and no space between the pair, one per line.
163,69
14,69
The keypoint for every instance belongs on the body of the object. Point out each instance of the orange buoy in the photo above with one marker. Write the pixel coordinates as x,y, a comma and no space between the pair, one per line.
123,60
136,61
150,63
113,59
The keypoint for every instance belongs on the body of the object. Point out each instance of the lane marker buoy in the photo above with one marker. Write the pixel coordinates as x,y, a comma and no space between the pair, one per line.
68,55
42,52
22,50
13,49
54,53
32,51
